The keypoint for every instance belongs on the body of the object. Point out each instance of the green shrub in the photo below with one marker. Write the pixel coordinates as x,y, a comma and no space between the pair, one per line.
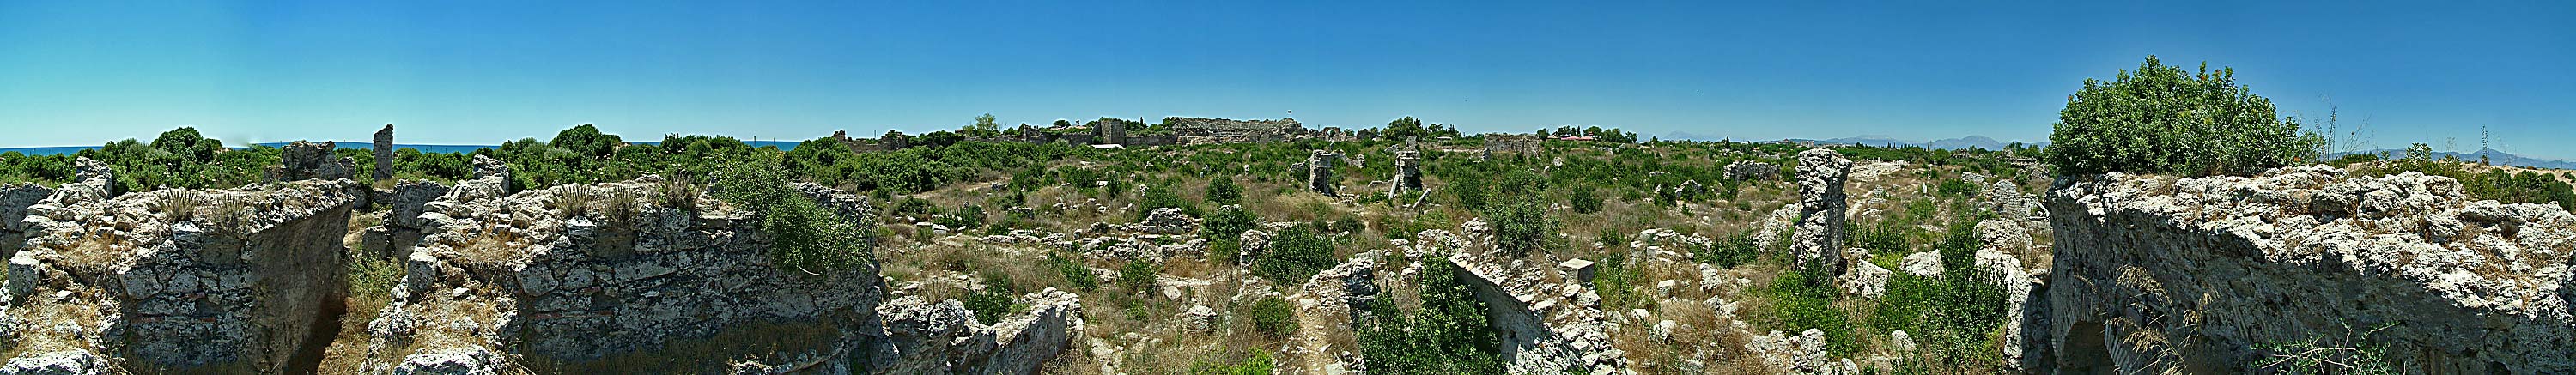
1221,190
803,236
2347,353
1449,334
1520,227
1730,251
1259,363
1803,300
992,303
1275,317
1583,201
1228,223
2160,119
1074,273
1882,237
1138,276
1295,254
1158,197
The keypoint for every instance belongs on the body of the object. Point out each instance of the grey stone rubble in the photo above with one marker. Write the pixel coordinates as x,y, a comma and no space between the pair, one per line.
1330,302
1921,264
1818,239
1545,326
402,227
506,278
2163,274
176,279
1803,353
312,161
1748,170
1168,221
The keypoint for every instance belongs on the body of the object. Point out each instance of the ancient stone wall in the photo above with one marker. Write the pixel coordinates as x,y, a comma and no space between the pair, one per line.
614,277
943,338
403,225
2161,274
1748,170
312,161
179,280
14,200
1194,130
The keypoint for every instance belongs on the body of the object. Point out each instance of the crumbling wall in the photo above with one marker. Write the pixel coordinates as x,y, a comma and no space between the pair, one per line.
1194,130
2162,274
403,225
14,200
1548,319
943,338
617,277
179,280
311,161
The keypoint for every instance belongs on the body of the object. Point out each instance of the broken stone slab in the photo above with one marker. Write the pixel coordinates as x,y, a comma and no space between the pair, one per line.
1581,269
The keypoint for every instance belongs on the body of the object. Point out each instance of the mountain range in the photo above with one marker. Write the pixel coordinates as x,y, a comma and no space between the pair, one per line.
2493,157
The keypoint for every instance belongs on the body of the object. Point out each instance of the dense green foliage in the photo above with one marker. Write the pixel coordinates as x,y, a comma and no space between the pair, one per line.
1729,251
1274,316
803,235
1521,227
1074,273
1950,315
1221,190
992,303
1803,299
1139,276
2160,119
1449,334
1259,363
1294,254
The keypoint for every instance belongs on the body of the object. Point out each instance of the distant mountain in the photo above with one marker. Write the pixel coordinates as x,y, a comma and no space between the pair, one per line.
1870,140
2493,156
1962,143
1683,135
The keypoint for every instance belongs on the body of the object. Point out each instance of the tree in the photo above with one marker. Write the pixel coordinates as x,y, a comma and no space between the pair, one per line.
1403,128
1295,254
586,140
2160,119
1221,190
1449,334
1062,123
984,126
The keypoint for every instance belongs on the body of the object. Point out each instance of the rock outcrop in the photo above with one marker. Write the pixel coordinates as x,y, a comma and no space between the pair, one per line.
1748,170
1818,239
312,161
615,277
943,338
2162,274
177,280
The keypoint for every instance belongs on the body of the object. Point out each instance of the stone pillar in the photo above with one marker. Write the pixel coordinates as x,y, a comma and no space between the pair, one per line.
385,153
1319,171
1408,173
1818,240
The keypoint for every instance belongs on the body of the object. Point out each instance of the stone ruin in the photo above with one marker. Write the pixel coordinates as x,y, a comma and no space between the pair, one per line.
1408,173
14,200
943,338
177,280
1748,170
1318,168
1819,236
403,225
607,277
1515,144
312,161
1194,130
2186,275
384,147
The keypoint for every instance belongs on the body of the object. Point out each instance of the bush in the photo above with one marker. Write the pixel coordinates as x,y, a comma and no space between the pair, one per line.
1221,190
1520,227
804,236
1228,223
2159,119
1582,200
1274,317
1804,299
1138,276
994,301
1158,197
1294,255
1074,273
1449,334
1258,364
1729,251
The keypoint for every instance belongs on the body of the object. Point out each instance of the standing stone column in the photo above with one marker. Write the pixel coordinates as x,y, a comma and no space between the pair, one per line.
385,154
1319,171
1819,238
1408,173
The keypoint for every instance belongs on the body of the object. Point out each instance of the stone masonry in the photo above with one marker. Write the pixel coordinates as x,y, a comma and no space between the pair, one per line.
384,154
2187,275
178,280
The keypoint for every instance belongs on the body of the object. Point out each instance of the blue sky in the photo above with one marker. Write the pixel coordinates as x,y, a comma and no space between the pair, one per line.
83,73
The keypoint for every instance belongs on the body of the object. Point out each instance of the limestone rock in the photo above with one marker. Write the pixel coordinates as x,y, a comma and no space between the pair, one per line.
14,200
1169,220
312,161
2301,253
1199,319
1819,238
1748,170
1866,279
1922,264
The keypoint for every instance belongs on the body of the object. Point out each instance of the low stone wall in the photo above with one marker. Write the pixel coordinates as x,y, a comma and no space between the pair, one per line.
403,226
2160,274
179,280
616,277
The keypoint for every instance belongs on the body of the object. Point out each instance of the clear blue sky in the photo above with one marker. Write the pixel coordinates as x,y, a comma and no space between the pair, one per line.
78,73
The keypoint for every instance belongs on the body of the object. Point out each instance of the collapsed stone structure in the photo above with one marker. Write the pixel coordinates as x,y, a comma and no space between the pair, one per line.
1748,170
943,338
312,161
1408,173
1547,318
1515,144
2163,274
1195,130
177,280
1819,236
612,277
403,225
